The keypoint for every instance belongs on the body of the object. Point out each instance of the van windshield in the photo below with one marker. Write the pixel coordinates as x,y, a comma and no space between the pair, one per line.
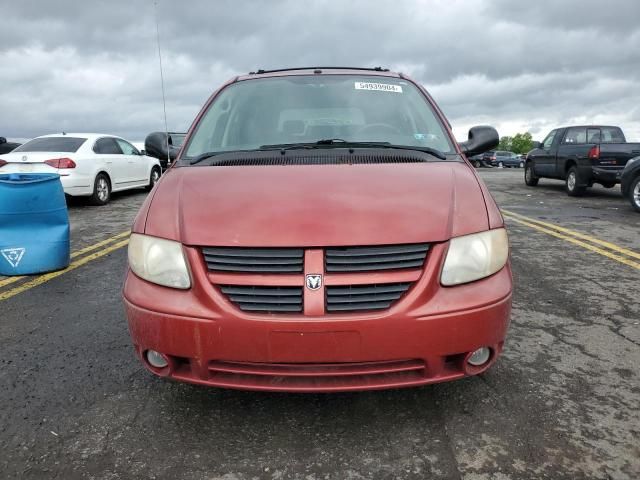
305,109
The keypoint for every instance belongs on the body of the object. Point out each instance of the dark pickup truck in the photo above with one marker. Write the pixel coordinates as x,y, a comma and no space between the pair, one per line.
581,156
6,147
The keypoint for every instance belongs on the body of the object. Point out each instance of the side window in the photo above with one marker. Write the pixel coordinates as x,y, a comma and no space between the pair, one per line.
593,135
549,140
107,146
126,147
575,135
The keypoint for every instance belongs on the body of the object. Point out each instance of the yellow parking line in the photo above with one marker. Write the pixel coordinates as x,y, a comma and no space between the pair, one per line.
575,241
597,241
10,280
72,266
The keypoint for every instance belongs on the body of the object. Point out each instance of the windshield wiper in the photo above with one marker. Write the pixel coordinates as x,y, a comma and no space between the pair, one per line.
205,155
321,144
340,143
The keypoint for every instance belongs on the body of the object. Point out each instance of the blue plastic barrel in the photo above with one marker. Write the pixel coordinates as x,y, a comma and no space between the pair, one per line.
34,224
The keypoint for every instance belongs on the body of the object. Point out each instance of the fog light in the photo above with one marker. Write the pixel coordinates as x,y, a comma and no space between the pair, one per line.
156,359
479,357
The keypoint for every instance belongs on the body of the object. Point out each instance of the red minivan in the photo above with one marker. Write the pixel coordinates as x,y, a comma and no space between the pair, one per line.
320,230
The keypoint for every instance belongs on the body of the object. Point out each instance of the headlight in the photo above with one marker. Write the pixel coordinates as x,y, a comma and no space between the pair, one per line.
159,261
475,256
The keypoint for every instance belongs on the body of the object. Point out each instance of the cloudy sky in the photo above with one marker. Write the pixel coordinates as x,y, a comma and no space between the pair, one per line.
517,65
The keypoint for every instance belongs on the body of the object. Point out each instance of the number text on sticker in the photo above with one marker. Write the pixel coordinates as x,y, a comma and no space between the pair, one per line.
380,87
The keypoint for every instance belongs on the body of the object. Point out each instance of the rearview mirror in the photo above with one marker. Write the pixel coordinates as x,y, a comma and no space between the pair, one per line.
481,139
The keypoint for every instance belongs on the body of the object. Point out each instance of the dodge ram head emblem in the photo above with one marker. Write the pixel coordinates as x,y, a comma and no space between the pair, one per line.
314,281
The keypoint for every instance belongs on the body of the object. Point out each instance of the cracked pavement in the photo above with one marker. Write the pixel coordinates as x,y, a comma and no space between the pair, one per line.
563,402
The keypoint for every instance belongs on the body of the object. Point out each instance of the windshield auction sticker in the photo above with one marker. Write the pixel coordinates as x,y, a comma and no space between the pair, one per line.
380,87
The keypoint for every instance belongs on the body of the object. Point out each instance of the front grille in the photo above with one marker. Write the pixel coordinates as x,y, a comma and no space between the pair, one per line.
370,259
264,299
354,298
254,260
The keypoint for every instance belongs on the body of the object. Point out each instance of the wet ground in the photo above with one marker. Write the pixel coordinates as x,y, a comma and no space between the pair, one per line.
563,402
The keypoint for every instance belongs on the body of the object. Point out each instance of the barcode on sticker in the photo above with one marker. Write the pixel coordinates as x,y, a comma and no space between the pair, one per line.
381,87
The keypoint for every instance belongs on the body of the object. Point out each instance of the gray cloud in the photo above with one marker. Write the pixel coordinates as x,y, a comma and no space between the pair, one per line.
517,65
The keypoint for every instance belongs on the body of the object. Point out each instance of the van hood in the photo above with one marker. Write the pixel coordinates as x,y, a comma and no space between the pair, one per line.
316,205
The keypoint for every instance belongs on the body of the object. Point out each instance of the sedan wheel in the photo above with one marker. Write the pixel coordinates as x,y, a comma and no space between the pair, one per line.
500,165
101,190
153,178
521,165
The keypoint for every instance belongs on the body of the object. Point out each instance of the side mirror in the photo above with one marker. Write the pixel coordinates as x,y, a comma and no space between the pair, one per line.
536,144
481,139
3,140
143,152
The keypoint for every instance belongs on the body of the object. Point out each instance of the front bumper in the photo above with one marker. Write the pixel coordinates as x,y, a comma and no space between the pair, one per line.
424,338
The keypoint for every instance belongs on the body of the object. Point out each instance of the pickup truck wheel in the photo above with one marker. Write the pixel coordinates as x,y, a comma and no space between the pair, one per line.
530,178
101,190
634,194
571,185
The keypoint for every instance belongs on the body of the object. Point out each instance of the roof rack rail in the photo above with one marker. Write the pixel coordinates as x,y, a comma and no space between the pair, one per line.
371,69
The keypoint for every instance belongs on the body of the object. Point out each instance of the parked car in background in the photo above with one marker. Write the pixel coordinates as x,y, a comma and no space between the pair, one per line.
506,159
282,250
6,147
581,156
156,143
89,164
489,157
630,182
478,161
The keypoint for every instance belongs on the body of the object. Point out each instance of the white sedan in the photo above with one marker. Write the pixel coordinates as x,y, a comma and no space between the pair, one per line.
89,164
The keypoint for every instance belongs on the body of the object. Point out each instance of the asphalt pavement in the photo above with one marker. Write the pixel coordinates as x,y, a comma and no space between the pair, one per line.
563,402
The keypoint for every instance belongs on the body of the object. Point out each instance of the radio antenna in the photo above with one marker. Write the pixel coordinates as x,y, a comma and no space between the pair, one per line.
164,103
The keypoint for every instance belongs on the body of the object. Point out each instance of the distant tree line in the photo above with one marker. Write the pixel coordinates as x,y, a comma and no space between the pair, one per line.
519,143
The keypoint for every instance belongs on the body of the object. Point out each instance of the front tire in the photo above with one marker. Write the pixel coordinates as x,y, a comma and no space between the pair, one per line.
521,165
101,190
153,178
530,178
571,183
477,164
634,194
500,165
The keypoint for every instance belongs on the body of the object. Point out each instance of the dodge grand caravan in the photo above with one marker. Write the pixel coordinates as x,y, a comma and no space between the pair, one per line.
321,230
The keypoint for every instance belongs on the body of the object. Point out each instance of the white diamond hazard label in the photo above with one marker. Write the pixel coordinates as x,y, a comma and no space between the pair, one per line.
13,255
